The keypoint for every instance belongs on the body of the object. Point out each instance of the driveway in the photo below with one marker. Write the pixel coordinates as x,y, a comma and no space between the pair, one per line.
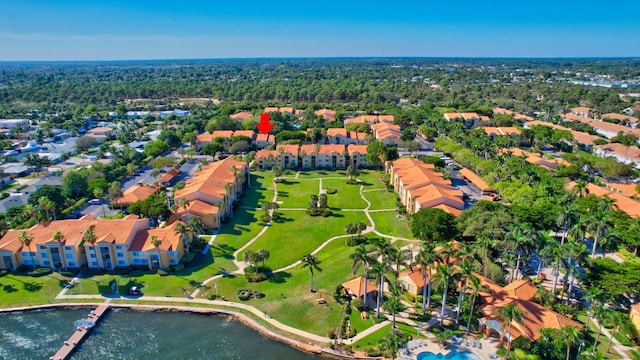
144,176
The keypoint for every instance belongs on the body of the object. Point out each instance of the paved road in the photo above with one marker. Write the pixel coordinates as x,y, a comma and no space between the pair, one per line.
96,210
144,176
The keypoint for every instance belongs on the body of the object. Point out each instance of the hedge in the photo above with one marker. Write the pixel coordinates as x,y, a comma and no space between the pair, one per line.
104,286
40,272
123,286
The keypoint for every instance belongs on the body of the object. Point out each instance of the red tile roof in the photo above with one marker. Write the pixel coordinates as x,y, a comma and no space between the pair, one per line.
356,286
241,116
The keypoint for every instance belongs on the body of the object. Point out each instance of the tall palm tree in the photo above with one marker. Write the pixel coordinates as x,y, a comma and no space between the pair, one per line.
425,259
619,320
25,238
465,271
263,255
599,222
183,230
399,258
443,274
571,336
156,242
592,298
509,314
383,249
183,203
519,239
484,246
475,287
362,257
99,193
46,205
390,344
567,217
312,263
581,188
600,314
394,306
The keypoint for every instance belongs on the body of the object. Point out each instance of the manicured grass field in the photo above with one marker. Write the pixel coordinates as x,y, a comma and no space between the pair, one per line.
244,225
347,197
261,189
152,284
299,234
295,193
380,199
287,296
371,179
313,174
372,340
388,223
21,290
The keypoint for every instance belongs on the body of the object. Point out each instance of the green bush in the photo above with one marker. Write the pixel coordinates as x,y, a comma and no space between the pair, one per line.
123,286
351,182
162,272
40,272
331,334
179,267
358,304
104,286
244,294
68,273
331,190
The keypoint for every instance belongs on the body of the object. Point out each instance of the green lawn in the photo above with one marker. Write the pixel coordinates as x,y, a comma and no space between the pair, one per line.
21,290
371,179
388,223
313,174
299,234
358,323
261,189
287,296
373,339
153,284
244,225
295,193
347,197
380,199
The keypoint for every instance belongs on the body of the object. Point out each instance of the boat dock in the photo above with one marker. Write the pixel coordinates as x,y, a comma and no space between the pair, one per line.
81,333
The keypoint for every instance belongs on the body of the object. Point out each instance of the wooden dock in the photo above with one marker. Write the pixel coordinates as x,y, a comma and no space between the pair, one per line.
81,333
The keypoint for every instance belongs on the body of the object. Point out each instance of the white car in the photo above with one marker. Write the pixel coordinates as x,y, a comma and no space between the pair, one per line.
94,202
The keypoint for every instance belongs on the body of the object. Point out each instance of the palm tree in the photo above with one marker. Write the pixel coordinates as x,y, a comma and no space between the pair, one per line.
24,238
99,193
571,336
598,226
567,217
592,297
156,242
183,230
382,249
443,336
425,259
351,229
312,263
399,258
519,239
600,314
618,320
475,287
485,245
362,257
465,271
394,306
509,314
390,344
352,172
263,255
47,205
581,188
443,274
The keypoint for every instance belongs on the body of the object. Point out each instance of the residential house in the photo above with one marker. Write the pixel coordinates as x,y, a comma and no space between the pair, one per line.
49,180
176,112
264,140
355,289
168,253
388,134
606,129
244,115
13,200
369,119
477,182
585,112
622,201
357,155
101,133
284,155
326,114
246,133
627,155
520,294
412,281
469,118
323,156
626,120
419,186
210,194
536,158
14,123
336,136
583,139
135,193
450,116
167,178
501,131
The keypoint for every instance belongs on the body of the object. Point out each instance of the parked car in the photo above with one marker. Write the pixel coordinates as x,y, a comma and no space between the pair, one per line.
94,202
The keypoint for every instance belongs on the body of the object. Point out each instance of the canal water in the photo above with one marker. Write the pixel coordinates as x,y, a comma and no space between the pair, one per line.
126,334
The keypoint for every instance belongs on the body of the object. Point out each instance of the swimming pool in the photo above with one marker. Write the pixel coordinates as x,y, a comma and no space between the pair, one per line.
453,355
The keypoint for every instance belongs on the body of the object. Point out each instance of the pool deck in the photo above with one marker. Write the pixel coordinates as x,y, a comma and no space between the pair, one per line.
485,351
80,334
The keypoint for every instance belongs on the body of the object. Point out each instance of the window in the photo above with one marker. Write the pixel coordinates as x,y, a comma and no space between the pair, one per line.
44,255
45,263
174,261
119,247
69,256
121,263
173,253
120,254
90,248
93,256
94,264
42,247
68,248
136,253
71,264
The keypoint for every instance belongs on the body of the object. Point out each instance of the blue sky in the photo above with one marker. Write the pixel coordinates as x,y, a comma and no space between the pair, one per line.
119,30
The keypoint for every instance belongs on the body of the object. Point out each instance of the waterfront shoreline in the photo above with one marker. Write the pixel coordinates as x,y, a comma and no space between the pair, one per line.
244,319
